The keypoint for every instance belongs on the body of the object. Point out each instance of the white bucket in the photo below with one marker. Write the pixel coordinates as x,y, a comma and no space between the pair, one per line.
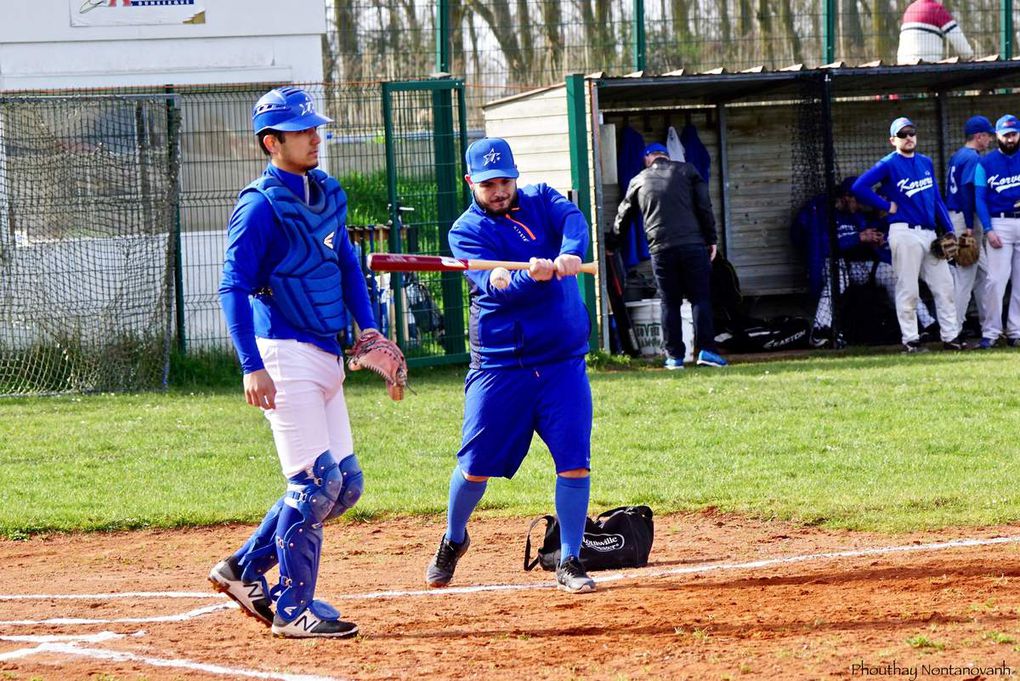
646,320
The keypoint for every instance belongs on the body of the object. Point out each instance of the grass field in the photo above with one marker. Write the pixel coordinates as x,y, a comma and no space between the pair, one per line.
881,442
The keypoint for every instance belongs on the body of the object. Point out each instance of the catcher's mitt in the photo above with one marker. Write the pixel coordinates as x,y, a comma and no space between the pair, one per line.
377,352
945,246
967,250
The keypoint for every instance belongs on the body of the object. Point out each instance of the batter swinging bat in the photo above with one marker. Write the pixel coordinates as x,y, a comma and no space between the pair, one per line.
397,262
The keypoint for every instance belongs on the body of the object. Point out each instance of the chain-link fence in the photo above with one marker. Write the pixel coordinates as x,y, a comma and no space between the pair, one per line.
502,47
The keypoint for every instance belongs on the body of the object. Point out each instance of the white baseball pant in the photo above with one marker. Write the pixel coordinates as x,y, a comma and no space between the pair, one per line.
311,414
911,259
971,279
1003,266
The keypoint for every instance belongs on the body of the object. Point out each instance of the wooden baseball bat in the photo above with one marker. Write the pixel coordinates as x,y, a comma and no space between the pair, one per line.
399,262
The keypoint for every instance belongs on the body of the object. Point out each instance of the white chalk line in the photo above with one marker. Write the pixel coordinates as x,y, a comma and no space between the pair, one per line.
122,656
180,617
110,596
643,573
699,569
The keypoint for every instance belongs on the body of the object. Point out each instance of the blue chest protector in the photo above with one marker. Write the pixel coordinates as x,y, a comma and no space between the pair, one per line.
306,285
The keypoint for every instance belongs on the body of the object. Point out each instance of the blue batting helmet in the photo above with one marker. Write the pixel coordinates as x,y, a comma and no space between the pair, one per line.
288,109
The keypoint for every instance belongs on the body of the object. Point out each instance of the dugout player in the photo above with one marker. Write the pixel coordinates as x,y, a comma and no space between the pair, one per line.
672,198
528,343
915,208
288,272
960,196
997,186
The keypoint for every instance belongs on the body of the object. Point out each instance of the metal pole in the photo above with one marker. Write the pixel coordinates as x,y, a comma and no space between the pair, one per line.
600,242
172,141
640,48
396,224
722,140
443,31
580,180
829,167
1006,29
829,10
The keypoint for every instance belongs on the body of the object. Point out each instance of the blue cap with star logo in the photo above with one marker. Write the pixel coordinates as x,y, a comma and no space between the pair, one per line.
489,158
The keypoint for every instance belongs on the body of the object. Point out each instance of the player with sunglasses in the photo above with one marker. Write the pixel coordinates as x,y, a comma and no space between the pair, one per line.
910,196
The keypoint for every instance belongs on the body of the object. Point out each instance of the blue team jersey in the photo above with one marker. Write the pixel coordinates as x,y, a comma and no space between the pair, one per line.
256,245
960,183
909,182
997,180
528,323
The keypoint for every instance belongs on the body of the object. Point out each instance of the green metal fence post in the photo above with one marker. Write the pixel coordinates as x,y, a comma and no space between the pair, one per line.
448,189
640,47
829,10
1006,29
443,36
580,180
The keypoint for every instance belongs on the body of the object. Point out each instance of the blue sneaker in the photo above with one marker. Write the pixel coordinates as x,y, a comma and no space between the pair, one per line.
707,358
985,344
674,364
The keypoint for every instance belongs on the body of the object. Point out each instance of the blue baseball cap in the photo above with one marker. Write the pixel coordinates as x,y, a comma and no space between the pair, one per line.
288,109
489,158
1007,123
899,124
656,148
976,124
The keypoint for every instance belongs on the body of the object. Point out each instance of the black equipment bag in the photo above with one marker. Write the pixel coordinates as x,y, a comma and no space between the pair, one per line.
866,316
619,538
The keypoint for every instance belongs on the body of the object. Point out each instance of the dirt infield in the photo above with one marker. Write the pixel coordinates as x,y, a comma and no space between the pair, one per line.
724,598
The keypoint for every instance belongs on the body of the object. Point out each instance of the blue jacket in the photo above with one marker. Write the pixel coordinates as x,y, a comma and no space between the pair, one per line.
997,185
529,322
960,183
256,244
910,183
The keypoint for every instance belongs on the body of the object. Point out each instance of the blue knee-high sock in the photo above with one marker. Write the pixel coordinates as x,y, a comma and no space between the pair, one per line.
571,510
464,496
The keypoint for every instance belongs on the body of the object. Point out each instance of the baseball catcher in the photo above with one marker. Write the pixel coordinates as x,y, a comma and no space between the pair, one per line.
945,246
967,250
378,353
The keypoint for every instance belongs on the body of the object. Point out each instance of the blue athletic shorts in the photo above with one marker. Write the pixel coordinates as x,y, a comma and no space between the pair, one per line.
504,408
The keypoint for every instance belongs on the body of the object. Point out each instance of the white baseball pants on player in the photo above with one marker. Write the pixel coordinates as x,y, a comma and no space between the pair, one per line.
1003,266
912,258
311,414
971,279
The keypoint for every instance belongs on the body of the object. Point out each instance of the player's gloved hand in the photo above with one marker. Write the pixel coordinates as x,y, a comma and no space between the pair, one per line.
378,353
541,269
259,389
567,265
993,239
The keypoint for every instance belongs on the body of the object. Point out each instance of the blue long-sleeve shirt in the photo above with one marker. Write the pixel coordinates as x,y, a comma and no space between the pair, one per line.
529,322
997,186
960,192
256,244
909,182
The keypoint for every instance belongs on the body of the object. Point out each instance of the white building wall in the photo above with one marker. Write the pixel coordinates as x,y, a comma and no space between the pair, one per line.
240,41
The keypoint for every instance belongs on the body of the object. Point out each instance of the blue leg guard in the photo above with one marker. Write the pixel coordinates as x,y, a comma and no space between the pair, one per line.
310,497
258,555
351,488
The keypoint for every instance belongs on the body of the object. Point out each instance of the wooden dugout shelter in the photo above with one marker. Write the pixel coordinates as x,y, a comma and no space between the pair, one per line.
775,138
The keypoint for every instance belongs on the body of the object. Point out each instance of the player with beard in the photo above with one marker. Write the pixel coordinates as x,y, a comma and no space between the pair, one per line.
528,343
997,189
910,197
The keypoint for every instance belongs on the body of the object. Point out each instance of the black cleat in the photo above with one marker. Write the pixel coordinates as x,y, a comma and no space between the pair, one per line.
571,577
440,570
955,344
251,596
914,346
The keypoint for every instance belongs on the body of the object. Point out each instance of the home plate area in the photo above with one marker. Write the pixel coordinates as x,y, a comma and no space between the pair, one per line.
722,596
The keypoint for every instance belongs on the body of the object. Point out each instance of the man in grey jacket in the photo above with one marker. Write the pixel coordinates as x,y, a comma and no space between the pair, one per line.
677,212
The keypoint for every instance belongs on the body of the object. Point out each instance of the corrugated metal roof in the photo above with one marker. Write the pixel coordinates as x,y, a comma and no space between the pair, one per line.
720,86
